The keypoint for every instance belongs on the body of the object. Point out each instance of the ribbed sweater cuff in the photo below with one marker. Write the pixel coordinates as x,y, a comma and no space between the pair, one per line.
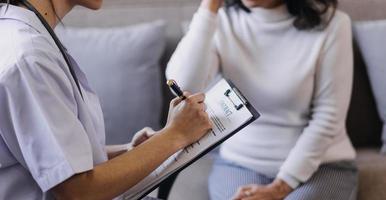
299,166
290,180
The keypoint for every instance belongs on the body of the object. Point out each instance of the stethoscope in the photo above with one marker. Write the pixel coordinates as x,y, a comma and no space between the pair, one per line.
56,40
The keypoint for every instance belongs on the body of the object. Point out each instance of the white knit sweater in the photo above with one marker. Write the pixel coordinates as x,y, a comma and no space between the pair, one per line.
300,81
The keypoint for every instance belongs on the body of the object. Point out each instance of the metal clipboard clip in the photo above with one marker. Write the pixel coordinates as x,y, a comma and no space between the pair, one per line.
237,100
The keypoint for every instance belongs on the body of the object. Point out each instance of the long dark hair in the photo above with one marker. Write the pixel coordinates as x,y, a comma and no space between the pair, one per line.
309,14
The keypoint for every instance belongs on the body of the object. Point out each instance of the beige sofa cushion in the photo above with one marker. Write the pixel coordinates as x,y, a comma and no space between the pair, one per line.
361,10
372,175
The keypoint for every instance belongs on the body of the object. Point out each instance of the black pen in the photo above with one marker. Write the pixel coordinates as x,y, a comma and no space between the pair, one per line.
175,88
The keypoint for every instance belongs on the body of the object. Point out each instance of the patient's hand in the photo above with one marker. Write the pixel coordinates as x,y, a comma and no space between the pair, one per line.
142,135
277,190
212,5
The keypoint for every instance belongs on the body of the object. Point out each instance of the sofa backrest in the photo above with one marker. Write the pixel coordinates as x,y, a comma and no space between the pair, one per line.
128,12
363,122
364,10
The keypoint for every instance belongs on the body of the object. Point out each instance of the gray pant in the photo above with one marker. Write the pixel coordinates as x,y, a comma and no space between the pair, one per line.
334,181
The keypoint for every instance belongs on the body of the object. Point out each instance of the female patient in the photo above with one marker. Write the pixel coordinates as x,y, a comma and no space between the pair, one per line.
293,60
52,136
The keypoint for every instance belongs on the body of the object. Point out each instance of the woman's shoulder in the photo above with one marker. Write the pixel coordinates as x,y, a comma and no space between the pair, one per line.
338,29
340,20
22,45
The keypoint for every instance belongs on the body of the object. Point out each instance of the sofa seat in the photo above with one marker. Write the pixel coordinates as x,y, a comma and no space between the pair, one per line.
191,184
372,174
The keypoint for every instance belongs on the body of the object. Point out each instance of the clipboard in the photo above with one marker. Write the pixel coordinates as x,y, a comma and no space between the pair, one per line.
238,100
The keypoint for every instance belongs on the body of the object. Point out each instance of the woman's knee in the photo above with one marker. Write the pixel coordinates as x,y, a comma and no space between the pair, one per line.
338,181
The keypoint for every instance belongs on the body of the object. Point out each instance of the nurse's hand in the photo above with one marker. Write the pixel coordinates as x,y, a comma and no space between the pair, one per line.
212,5
188,121
142,135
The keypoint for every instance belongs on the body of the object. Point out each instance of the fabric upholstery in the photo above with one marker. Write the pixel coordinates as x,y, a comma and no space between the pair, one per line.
123,12
122,65
372,175
361,10
363,133
364,125
371,39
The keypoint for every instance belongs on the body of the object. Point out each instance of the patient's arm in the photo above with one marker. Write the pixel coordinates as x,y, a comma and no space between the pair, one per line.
196,62
212,5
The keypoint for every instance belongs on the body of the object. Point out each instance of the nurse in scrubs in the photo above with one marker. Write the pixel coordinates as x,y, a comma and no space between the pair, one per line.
52,136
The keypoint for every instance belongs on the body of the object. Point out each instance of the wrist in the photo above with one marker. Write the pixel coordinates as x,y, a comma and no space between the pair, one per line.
282,188
210,5
289,179
173,137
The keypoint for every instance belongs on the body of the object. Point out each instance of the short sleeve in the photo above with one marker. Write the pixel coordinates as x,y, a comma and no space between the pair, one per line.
39,116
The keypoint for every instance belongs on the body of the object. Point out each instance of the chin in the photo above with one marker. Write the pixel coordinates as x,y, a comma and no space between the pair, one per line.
91,4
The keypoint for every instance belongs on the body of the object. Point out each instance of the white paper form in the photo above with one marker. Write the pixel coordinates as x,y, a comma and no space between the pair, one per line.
227,113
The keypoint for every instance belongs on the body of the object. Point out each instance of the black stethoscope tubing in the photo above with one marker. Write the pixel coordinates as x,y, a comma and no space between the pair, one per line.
56,40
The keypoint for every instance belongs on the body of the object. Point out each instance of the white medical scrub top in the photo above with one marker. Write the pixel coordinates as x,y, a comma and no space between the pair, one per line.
48,133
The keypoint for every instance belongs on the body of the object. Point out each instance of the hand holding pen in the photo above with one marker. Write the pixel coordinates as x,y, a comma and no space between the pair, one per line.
183,115
187,116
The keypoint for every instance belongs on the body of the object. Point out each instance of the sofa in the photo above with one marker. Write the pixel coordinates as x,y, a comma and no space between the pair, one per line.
364,123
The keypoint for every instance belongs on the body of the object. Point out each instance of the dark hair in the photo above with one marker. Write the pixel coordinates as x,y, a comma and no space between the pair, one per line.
309,14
